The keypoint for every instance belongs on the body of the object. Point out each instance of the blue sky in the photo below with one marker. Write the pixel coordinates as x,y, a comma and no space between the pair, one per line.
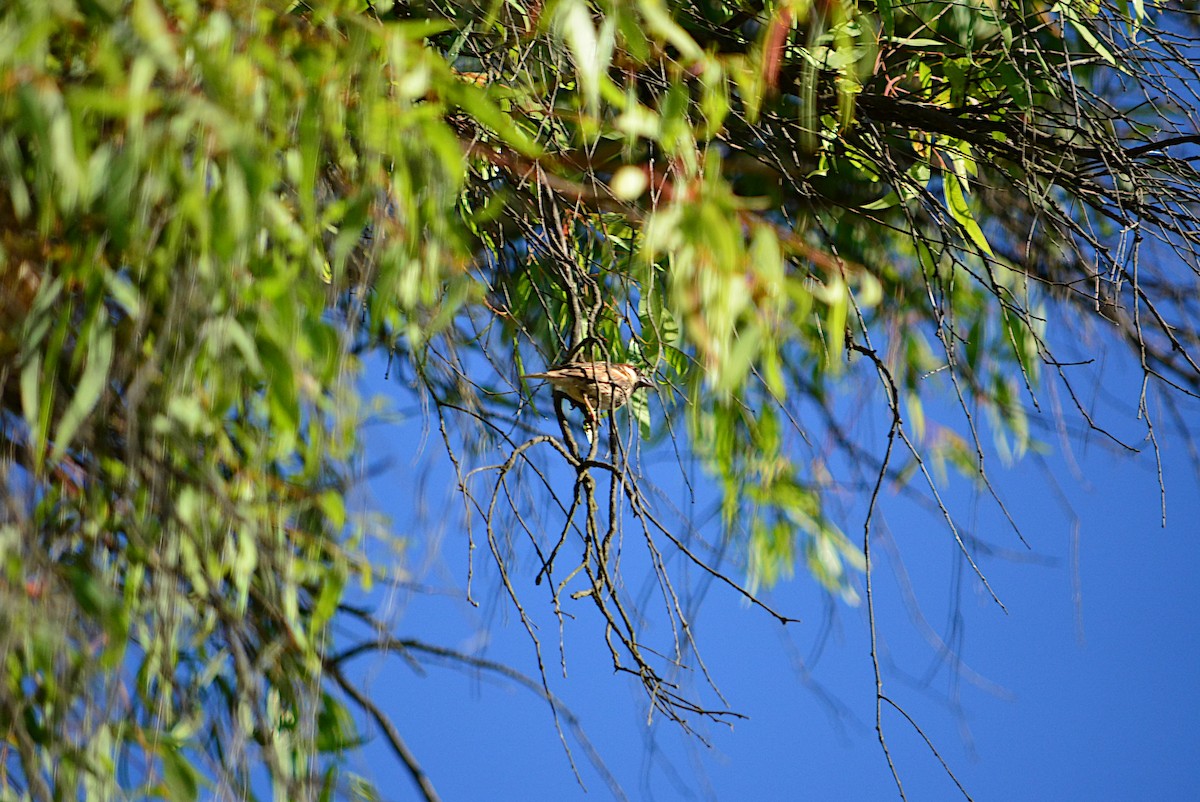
1059,698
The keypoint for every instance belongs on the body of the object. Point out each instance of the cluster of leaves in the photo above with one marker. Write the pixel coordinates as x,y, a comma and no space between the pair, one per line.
208,212
933,182
789,210
193,199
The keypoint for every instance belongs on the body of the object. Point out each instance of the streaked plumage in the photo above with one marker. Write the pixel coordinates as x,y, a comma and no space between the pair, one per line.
597,386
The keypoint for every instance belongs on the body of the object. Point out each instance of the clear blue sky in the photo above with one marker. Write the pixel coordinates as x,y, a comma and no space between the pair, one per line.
1088,699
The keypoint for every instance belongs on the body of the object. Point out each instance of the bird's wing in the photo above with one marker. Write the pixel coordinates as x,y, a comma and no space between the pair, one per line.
564,372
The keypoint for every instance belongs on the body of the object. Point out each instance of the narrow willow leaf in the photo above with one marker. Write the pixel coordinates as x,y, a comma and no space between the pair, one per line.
886,202
956,202
836,297
476,103
333,583
152,27
660,22
1067,10
915,42
31,382
888,17
916,414
245,561
180,778
90,388
591,48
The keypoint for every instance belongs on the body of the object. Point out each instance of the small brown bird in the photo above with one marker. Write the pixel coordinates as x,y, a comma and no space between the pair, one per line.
598,386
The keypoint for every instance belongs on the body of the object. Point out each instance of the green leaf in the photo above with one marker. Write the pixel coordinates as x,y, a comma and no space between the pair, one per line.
90,388
336,731
916,413
242,570
888,17
960,210
476,103
281,390
31,386
89,594
124,293
837,299
181,778
914,42
152,27
591,49
659,22
333,583
1086,33
886,202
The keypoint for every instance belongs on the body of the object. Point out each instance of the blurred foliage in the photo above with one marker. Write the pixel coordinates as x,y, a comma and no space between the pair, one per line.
786,210
194,199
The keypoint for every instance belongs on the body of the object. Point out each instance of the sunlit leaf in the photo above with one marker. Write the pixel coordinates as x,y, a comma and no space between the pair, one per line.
956,202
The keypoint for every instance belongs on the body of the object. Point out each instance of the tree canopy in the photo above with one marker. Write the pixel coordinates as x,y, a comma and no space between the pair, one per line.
857,245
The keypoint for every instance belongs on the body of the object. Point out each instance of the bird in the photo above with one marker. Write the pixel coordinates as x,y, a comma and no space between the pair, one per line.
596,386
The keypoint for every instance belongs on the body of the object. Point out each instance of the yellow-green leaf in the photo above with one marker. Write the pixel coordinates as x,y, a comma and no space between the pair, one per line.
956,202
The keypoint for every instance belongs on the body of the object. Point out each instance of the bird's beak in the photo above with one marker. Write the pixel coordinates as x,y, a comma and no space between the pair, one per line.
643,381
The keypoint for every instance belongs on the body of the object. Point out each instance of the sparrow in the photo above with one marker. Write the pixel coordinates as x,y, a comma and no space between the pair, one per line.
597,386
